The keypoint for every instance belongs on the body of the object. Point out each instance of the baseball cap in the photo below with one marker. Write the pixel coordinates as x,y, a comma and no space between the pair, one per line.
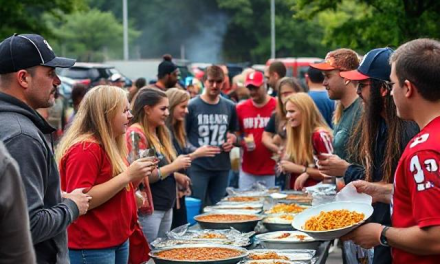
255,78
28,50
375,64
340,59
116,78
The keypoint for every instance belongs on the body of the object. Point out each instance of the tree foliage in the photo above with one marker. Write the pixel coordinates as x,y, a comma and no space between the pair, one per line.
248,35
89,36
367,24
26,16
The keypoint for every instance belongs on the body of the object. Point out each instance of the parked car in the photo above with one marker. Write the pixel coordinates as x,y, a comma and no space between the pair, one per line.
296,67
90,73
65,88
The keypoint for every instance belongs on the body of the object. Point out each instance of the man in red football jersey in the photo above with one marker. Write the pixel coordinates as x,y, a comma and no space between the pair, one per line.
415,232
253,116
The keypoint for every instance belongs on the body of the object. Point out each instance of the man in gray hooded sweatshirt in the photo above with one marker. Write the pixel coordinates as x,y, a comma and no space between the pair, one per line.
28,81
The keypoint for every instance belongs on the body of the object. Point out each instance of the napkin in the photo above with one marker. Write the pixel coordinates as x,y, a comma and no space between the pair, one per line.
349,194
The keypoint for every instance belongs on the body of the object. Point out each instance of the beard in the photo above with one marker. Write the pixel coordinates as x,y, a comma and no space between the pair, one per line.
170,83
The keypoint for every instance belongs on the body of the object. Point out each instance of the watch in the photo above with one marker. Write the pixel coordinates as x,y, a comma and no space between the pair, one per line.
383,239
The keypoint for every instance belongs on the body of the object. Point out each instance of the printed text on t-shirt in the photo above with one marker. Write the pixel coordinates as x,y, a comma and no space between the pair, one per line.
255,122
212,129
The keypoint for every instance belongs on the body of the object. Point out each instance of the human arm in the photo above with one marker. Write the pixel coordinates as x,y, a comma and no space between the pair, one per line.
233,127
267,140
205,151
415,240
45,221
231,140
181,162
381,192
332,165
183,180
268,135
15,238
309,173
83,166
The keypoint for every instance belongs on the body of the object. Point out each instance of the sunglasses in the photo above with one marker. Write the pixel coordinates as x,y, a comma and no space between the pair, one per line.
388,85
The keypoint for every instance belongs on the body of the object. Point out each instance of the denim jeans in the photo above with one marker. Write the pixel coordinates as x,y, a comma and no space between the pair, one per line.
208,185
246,180
116,255
157,224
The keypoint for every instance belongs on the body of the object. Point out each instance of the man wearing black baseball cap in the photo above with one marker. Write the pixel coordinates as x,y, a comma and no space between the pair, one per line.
28,81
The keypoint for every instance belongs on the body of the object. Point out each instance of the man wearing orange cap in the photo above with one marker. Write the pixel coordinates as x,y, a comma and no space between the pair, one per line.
349,108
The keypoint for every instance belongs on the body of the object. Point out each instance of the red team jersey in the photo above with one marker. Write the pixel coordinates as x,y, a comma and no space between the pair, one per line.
322,144
417,188
253,120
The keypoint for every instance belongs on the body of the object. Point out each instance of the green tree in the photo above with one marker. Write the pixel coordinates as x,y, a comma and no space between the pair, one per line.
25,16
367,24
89,36
248,35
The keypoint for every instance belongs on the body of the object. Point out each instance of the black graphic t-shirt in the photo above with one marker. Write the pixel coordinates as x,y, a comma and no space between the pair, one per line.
208,124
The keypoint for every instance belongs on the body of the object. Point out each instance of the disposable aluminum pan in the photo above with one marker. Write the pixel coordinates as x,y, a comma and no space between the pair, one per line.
273,223
278,261
292,254
242,226
272,227
270,241
233,260
301,199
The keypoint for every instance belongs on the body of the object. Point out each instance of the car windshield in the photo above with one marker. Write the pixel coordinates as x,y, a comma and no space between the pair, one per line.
79,73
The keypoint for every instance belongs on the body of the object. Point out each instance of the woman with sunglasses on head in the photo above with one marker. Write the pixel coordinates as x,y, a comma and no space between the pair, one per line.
151,110
91,155
178,100
308,136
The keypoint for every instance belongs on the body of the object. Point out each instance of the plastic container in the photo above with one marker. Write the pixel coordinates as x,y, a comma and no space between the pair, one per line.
193,206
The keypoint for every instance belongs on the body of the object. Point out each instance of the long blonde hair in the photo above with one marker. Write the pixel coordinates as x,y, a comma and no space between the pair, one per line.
299,147
151,97
176,97
93,123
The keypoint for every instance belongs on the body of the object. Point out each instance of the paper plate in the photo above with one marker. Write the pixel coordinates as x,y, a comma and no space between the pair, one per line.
301,218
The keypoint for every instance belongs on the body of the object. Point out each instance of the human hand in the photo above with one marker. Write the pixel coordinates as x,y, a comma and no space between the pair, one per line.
182,162
80,198
332,165
381,192
229,144
227,147
367,236
286,166
183,180
140,169
206,151
301,181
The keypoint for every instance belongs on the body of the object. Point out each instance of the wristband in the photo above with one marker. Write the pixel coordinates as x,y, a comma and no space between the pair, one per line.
304,170
383,239
159,174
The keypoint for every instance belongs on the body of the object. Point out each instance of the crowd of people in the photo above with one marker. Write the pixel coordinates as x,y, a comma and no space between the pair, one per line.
119,175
